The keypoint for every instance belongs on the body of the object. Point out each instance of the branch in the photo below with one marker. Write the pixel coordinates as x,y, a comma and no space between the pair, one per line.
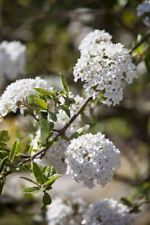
145,38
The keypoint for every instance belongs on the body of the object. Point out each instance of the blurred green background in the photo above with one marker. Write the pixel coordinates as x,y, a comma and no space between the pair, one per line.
52,31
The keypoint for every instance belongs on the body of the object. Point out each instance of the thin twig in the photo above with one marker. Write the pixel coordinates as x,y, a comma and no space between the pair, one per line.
145,38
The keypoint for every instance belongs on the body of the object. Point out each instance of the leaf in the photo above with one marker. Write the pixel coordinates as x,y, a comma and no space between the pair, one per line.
44,92
28,179
4,136
53,116
14,150
64,83
44,126
46,199
126,202
30,189
2,163
41,103
50,181
66,109
40,177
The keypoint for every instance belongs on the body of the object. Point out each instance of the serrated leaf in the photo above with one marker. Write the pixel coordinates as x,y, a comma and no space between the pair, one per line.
40,177
46,199
30,189
14,150
64,83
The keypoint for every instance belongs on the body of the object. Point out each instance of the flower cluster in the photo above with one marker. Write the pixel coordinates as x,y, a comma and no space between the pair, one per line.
17,92
92,159
66,210
107,212
12,59
103,67
144,11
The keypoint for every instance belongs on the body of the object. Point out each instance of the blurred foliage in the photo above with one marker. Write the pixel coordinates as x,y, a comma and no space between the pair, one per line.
43,26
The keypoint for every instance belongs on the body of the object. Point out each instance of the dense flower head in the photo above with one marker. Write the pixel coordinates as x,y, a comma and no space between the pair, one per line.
67,210
12,59
17,92
107,212
92,159
54,156
103,67
144,11
94,37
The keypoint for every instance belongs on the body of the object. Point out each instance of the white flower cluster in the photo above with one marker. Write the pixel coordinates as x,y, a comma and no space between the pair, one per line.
67,210
62,117
103,67
107,212
92,159
12,59
54,156
144,11
17,92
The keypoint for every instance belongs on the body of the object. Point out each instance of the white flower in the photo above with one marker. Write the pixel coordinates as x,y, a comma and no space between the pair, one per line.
107,212
62,117
144,11
54,156
94,37
103,67
12,59
92,159
17,92
67,210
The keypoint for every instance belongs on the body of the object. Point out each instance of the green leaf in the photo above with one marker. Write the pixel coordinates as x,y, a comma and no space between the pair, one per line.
41,103
31,189
2,163
50,181
40,177
66,109
44,126
126,202
46,199
44,92
14,150
4,136
53,116
64,83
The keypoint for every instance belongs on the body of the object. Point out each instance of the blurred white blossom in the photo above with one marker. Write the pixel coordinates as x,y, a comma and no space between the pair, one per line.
107,212
92,159
12,59
67,210
17,92
103,67
143,10
54,156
